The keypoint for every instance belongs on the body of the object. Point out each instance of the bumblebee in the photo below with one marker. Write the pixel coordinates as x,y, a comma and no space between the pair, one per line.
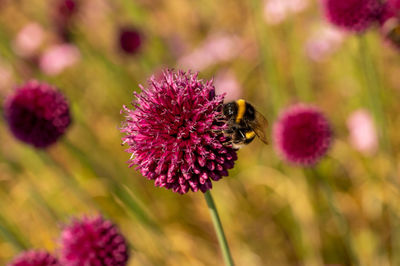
244,123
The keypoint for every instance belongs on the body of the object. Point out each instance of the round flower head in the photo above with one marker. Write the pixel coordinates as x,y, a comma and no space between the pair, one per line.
130,40
353,15
37,114
93,241
34,258
174,134
302,135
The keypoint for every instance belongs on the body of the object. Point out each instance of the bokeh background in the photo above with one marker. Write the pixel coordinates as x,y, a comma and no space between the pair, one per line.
273,53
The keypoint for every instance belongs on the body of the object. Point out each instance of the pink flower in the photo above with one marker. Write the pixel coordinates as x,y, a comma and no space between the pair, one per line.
352,15
215,49
363,134
93,241
276,11
226,82
323,42
302,135
58,57
35,258
28,40
175,133
37,114
129,40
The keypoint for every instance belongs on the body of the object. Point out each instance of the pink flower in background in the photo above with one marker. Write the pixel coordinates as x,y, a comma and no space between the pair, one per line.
28,40
352,15
276,11
175,133
58,57
302,135
323,42
35,258
37,114
130,40
215,49
363,133
226,82
93,241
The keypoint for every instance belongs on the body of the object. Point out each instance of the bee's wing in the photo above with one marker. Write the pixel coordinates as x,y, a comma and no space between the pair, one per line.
260,126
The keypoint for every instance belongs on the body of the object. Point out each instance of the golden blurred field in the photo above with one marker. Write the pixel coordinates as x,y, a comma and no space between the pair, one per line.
345,211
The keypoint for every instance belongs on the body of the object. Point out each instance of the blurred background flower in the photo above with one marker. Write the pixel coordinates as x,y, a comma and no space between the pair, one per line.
56,58
63,13
37,114
216,48
363,134
35,258
352,15
130,40
302,135
93,241
226,82
276,11
322,42
28,40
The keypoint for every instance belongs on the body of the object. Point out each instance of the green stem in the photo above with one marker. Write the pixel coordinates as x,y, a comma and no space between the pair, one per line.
317,181
270,73
373,86
218,229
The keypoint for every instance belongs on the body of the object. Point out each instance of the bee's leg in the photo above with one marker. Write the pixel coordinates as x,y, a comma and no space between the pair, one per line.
242,135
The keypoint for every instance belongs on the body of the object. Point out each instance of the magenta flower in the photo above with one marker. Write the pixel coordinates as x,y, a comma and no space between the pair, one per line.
37,114
93,241
302,135
174,133
352,15
129,40
34,258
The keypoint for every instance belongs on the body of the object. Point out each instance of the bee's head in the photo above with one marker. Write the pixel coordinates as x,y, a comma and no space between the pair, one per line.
230,110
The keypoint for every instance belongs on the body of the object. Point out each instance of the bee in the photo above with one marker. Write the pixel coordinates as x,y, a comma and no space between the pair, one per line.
244,123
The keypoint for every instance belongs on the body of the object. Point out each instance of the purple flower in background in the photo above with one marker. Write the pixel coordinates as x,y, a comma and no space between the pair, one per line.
129,40
63,13
352,15
93,241
66,8
37,114
35,258
174,133
302,135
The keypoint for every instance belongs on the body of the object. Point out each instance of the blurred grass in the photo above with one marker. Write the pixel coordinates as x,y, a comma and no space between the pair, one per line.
345,211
